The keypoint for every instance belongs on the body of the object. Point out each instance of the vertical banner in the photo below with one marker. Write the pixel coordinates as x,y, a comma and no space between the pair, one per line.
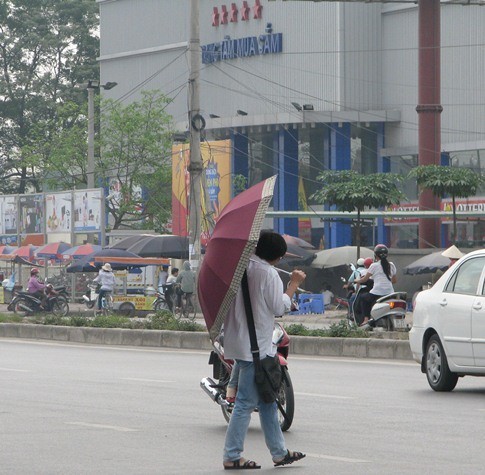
216,158
88,214
58,211
31,214
304,224
8,220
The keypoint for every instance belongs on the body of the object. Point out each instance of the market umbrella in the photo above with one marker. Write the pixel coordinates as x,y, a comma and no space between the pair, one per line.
26,252
7,249
296,255
82,250
428,264
233,241
126,242
54,250
163,245
296,241
339,256
88,264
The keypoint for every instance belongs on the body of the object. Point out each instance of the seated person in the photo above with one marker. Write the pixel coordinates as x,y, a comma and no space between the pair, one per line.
35,287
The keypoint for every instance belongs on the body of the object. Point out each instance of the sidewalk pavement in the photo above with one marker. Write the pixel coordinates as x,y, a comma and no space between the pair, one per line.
380,345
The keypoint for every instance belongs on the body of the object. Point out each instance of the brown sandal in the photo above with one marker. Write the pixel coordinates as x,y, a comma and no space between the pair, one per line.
246,465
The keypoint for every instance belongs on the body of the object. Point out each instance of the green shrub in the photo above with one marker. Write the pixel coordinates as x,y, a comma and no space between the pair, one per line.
109,321
341,329
10,318
165,320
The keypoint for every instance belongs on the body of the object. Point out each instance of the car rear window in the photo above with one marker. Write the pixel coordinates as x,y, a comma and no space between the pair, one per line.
466,278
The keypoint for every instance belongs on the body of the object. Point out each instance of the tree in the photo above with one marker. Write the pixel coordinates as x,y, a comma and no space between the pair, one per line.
136,159
445,181
351,191
47,50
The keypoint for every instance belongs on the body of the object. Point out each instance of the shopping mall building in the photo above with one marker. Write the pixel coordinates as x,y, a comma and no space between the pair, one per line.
296,88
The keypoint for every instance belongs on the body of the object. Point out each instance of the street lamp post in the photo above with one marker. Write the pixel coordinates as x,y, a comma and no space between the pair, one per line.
91,87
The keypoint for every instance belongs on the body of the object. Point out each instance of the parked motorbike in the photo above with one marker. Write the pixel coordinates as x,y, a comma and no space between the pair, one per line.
221,371
26,302
91,296
388,312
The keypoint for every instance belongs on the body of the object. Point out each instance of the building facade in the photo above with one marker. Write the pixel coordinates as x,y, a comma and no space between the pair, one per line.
302,87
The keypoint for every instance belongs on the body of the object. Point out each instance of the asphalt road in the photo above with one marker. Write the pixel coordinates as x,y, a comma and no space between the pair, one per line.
79,409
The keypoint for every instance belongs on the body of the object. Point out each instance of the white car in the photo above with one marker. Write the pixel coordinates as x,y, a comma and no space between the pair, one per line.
448,333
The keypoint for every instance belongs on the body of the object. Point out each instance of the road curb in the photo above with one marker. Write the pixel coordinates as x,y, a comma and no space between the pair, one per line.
299,345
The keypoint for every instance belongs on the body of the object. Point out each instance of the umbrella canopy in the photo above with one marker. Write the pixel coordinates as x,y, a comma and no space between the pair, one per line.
295,241
27,252
296,255
428,264
163,245
88,263
126,242
80,251
339,256
233,241
54,250
7,249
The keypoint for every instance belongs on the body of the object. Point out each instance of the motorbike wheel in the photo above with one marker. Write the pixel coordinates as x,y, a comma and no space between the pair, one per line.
287,400
90,304
60,308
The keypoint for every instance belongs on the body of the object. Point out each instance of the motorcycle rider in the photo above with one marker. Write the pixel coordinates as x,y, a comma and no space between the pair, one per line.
362,290
383,274
35,287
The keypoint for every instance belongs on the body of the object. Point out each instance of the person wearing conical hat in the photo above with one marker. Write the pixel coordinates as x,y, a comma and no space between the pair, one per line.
453,254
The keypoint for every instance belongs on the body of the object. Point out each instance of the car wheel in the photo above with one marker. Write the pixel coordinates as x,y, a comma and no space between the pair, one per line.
440,378
127,309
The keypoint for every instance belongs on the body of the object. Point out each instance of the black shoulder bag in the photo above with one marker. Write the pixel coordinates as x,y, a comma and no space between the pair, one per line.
268,374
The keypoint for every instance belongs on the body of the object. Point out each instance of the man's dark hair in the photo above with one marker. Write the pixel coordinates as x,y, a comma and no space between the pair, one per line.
271,246
174,270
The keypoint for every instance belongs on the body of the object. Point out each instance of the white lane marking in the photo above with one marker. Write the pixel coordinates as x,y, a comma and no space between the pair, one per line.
147,380
102,426
338,459
324,396
17,370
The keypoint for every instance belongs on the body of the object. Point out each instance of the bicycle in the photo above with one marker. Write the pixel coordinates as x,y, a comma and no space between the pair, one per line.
106,305
187,308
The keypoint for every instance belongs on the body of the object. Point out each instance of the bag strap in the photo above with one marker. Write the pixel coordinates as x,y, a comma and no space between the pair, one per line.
250,318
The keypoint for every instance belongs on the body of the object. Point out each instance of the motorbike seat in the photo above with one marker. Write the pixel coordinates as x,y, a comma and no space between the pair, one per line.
393,296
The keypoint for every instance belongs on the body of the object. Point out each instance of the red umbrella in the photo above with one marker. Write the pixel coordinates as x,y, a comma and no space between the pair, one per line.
81,251
27,252
295,241
233,241
54,250
7,249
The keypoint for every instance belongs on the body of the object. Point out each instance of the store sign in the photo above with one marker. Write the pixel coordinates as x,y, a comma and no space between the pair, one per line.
270,43
225,15
413,206
467,205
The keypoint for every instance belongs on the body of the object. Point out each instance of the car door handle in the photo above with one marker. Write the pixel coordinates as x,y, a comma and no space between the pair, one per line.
477,306
444,303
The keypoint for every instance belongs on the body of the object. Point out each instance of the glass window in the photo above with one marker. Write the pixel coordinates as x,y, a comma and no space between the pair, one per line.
363,148
261,153
465,279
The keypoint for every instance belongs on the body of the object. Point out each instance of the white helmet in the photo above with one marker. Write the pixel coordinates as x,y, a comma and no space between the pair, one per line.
360,262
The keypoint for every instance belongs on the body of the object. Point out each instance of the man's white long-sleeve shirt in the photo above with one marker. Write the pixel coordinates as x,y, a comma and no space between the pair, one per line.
267,300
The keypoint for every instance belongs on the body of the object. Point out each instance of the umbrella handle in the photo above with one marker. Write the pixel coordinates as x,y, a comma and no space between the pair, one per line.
289,273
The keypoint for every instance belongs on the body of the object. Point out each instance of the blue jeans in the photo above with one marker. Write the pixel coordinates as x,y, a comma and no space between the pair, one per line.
247,399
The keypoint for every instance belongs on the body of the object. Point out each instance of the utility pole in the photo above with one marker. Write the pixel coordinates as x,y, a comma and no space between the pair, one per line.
196,124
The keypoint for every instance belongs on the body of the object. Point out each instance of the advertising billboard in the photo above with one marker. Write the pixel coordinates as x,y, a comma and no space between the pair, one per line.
58,209
216,158
87,210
